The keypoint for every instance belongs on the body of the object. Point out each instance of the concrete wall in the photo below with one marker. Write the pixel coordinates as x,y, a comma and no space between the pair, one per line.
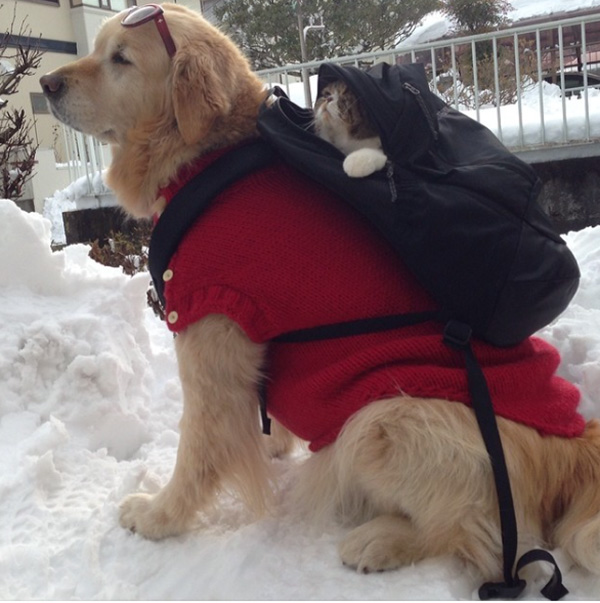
571,192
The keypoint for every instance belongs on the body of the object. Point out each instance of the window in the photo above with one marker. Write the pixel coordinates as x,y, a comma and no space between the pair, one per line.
53,2
114,5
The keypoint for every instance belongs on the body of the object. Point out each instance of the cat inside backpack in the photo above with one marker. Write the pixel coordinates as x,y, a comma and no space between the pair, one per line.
341,120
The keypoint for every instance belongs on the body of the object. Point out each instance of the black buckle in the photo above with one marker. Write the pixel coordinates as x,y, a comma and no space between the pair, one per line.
457,334
154,301
264,415
555,589
501,590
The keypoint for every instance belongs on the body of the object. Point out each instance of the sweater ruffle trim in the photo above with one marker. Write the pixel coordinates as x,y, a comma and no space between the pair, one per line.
217,299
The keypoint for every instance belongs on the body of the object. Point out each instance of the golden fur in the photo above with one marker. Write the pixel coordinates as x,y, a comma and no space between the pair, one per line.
412,474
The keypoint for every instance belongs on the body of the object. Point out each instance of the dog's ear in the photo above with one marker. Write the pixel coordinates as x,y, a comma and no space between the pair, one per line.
199,97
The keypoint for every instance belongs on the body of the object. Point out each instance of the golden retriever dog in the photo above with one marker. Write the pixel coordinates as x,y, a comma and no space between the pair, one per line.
411,473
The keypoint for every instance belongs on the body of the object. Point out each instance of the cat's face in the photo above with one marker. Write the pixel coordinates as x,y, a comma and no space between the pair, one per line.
340,119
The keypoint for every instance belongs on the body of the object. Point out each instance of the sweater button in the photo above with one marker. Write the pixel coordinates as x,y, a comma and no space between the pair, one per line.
167,275
173,317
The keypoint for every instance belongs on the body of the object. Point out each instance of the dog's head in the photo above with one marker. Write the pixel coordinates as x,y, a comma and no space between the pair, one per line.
159,104
130,79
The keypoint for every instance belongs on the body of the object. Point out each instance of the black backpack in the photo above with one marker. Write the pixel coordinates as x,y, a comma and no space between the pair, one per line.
458,207
462,213
460,210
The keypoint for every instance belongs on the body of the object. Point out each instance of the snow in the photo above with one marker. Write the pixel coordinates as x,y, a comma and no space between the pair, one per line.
89,406
542,117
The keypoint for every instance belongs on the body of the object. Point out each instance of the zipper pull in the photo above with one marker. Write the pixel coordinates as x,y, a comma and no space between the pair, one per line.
411,88
419,98
391,182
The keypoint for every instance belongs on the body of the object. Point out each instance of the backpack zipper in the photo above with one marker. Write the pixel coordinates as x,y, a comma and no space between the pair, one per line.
391,182
419,98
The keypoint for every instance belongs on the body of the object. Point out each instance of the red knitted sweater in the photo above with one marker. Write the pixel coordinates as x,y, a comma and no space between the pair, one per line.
277,253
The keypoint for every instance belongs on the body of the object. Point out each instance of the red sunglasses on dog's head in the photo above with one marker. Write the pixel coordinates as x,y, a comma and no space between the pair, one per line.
138,15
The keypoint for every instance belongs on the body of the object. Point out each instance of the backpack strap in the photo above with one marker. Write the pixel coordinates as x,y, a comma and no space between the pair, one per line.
194,198
458,336
363,326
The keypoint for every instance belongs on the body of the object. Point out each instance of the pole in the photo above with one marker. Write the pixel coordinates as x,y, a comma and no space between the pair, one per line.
302,31
304,55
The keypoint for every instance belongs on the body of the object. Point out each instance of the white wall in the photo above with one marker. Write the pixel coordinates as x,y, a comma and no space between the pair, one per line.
49,178
86,22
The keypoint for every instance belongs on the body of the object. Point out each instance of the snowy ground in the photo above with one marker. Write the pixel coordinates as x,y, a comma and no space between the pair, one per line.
89,405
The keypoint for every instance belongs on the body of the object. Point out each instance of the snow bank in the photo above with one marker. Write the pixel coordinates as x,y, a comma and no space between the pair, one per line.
89,405
576,333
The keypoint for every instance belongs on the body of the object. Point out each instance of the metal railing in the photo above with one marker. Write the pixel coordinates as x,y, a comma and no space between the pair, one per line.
502,79
86,161
534,86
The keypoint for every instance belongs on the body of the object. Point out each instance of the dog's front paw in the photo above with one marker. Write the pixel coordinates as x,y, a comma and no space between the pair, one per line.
366,555
377,545
146,515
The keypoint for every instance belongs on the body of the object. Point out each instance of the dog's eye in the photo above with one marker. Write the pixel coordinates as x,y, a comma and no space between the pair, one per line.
119,59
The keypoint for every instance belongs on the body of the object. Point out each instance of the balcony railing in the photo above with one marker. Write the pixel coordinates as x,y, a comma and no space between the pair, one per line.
534,86
87,161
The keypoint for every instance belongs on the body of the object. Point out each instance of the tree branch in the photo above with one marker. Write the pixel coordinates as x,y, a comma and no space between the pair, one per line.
17,148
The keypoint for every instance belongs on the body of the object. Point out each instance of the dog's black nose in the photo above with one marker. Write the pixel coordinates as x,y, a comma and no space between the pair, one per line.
52,85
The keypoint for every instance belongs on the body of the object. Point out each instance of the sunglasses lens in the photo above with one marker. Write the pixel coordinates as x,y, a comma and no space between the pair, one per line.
151,12
139,14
